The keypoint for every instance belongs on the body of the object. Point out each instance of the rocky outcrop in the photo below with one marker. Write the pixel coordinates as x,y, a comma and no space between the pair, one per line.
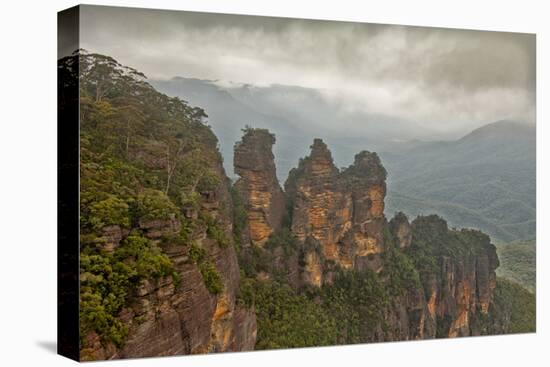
168,317
112,235
343,212
321,209
338,216
155,229
461,285
401,230
366,179
258,185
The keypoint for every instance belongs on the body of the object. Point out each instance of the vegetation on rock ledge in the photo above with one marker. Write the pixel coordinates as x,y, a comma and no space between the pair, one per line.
145,157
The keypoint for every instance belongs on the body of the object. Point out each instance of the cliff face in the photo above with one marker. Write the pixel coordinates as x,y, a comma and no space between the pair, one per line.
165,242
338,216
341,213
338,222
366,179
258,185
454,290
165,317
158,268
320,208
460,283
401,230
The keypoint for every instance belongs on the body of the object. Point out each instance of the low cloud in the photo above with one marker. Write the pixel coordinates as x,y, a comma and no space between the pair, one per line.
444,79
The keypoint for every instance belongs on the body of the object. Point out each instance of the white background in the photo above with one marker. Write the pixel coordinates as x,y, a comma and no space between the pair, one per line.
28,182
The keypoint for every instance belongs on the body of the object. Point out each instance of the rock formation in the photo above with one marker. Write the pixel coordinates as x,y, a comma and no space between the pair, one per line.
338,216
460,288
320,207
166,317
366,179
342,211
258,184
425,279
401,230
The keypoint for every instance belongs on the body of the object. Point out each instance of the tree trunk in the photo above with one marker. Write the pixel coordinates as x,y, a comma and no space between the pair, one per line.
127,136
171,168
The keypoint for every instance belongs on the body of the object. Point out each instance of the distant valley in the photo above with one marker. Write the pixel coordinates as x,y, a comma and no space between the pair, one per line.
485,180
176,257
293,114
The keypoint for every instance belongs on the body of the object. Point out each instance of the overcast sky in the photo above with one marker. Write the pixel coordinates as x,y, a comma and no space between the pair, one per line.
442,78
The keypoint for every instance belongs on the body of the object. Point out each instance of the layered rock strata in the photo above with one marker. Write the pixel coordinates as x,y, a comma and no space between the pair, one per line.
258,185
167,318
338,216
460,289
342,212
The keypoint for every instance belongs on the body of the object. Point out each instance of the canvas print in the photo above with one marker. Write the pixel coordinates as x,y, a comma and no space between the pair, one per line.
247,183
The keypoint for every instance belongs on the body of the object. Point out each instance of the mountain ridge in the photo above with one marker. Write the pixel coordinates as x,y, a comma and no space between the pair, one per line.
491,159
177,259
490,171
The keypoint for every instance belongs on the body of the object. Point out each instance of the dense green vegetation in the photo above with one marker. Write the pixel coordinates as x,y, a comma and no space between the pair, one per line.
214,231
154,204
108,278
513,308
518,263
347,311
432,235
287,319
433,240
148,158
400,272
357,301
144,157
211,278
285,240
272,259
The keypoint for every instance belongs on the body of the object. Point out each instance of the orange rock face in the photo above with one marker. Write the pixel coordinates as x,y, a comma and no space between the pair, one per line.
342,211
376,196
338,219
321,210
313,269
432,304
258,185
366,245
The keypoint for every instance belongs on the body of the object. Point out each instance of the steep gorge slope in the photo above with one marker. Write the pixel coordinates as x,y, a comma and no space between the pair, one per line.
490,169
177,260
159,271
424,279
228,115
265,200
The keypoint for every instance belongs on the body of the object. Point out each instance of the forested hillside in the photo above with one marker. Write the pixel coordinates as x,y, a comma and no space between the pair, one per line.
518,263
293,113
485,180
158,269
177,259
